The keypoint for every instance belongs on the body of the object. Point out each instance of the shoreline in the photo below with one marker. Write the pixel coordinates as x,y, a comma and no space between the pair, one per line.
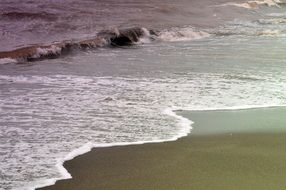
88,147
91,149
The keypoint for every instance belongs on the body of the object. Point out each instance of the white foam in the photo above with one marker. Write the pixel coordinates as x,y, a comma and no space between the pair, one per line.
185,123
146,38
185,128
269,32
119,121
272,21
52,50
277,14
253,4
182,34
4,61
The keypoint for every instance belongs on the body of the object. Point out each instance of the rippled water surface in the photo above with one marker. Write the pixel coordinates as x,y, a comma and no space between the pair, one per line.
102,96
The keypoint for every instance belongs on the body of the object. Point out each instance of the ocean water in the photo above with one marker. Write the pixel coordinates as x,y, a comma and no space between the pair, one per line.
212,55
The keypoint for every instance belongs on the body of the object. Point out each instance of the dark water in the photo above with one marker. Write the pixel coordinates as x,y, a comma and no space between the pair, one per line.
24,23
206,55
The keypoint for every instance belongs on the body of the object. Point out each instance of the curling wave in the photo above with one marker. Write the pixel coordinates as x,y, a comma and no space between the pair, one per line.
113,38
37,52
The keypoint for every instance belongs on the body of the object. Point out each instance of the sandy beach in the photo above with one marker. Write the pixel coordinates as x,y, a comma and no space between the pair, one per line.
203,160
90,89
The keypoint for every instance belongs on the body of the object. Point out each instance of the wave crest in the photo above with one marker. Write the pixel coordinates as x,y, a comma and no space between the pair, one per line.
254,4
112,38
182,34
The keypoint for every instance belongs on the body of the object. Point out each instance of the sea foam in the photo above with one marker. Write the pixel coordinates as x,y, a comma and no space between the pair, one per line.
71,114
184,122
253,4
185,129
182,34
4,61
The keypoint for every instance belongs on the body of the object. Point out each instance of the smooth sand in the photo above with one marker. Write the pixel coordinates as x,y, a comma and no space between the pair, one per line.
222,159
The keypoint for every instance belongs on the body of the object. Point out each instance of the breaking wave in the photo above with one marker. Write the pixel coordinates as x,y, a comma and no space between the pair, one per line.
63,106
112,38
4,61
254,4
182,34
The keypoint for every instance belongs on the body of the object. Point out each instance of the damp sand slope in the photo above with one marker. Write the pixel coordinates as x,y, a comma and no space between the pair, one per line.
242,149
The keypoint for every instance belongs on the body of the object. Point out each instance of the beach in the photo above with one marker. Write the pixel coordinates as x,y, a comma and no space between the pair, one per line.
133,76
211,157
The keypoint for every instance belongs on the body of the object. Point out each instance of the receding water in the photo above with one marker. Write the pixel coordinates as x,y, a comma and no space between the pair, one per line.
232,122
120,95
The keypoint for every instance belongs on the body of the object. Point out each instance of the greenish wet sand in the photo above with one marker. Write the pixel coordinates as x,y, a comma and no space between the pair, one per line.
227,150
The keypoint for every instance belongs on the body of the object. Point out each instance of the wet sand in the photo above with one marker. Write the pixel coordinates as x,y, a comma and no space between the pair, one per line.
224,159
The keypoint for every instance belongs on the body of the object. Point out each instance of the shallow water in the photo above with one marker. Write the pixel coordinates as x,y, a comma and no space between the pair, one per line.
232,122
108,95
